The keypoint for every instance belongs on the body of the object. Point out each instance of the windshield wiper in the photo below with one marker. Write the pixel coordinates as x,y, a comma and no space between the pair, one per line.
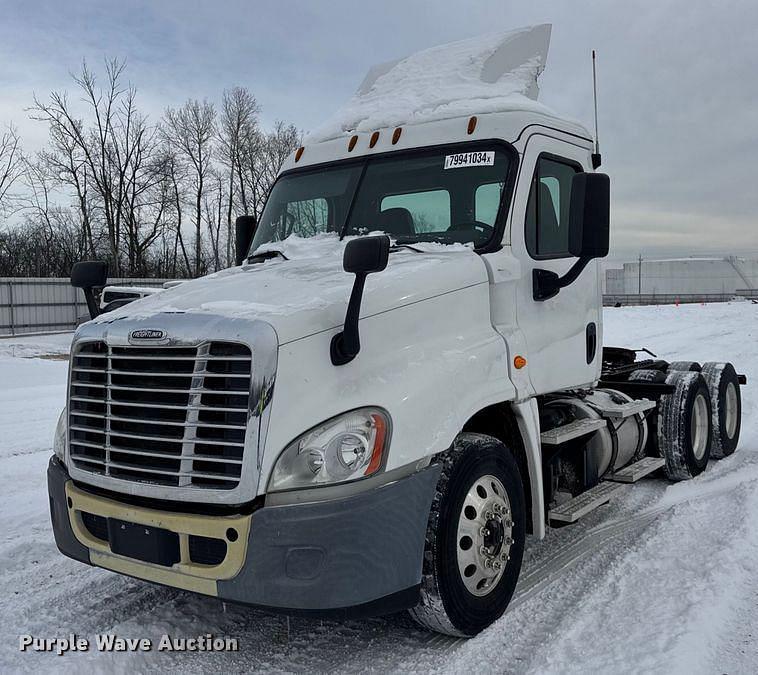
266,255
397,247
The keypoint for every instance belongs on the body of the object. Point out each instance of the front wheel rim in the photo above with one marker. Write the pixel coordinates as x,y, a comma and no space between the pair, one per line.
484,536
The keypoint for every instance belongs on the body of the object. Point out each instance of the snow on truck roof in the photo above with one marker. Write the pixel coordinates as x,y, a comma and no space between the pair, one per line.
494,73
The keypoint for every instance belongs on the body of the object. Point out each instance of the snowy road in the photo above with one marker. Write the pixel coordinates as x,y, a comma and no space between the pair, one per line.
663,579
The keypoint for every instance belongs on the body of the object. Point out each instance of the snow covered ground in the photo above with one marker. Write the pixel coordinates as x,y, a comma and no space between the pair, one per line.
663,579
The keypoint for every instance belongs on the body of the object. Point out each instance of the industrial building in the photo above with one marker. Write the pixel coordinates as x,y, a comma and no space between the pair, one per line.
686,277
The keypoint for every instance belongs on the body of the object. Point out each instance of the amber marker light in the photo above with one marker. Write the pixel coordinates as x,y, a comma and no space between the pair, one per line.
471,124
299,153
378,449
396,135
352,143
374,139
519,362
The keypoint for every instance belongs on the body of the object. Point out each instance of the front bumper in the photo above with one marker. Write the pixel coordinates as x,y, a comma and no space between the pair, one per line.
358,555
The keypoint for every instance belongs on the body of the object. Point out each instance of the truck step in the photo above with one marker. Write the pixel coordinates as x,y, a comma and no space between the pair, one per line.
633,472
619,411
569,431
574,509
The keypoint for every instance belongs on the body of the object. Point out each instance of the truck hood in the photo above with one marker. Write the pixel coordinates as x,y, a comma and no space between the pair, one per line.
308,292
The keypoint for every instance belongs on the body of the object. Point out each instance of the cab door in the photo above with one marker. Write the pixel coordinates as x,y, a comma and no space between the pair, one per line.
563,335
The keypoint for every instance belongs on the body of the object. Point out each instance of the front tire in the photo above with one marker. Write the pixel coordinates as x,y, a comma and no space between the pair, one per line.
475,538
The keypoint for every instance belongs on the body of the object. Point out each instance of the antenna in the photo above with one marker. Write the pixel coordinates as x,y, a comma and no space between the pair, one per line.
596,159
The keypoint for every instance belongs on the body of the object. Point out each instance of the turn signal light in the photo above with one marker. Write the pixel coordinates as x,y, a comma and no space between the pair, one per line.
519,362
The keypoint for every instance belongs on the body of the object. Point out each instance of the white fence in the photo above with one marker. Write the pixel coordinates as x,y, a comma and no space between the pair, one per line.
46,305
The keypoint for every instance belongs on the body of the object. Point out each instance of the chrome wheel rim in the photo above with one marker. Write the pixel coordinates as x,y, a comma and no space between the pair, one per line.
484,536
730,402
699,426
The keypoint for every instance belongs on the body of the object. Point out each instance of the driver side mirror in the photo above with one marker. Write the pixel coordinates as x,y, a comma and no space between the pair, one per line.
589,215
89,275
244,229
589,232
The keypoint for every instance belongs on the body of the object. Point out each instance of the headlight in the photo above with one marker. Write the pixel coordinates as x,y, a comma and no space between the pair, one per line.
59,442
345,448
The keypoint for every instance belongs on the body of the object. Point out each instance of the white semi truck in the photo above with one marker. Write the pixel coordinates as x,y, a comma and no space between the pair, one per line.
401,379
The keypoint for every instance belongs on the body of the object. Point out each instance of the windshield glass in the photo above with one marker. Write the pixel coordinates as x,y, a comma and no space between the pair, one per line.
451,196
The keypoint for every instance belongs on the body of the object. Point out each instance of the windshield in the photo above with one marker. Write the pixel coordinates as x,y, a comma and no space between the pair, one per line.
446,195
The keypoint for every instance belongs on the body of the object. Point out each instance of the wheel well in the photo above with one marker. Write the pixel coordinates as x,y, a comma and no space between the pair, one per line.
499,421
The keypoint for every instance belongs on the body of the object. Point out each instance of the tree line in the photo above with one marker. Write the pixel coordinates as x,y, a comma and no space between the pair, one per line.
153,198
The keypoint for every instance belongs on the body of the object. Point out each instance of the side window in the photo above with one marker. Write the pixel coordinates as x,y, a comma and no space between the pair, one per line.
429,211
547,212
487,202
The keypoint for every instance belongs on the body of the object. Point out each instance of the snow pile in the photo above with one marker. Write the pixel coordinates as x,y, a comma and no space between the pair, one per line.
308,292
326,244
484,74
295,247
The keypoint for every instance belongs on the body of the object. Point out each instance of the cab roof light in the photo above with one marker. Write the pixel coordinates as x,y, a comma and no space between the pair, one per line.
396,135
299,153
374,139
351,143
471,124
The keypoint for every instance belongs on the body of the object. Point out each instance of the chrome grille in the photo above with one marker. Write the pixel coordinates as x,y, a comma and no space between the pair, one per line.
165,415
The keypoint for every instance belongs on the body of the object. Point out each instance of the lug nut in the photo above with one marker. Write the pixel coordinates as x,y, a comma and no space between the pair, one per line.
488,515
484,532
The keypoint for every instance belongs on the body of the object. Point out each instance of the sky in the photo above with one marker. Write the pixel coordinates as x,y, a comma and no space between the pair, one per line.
678,92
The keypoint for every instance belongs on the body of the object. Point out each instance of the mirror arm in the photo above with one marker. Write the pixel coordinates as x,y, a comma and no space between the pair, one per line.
346,344
546,284
92,306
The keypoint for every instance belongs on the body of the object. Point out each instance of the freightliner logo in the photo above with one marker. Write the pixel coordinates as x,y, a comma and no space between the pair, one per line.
147,334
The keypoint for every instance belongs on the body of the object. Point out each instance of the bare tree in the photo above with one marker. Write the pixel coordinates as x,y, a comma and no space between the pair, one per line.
112,184
114,156
237,124
191,129
11,164
261,157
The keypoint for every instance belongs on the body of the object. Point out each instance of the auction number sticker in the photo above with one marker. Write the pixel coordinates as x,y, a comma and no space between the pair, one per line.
469,159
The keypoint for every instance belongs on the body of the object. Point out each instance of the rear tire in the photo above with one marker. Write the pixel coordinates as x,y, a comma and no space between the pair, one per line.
726,407
684,426
475,538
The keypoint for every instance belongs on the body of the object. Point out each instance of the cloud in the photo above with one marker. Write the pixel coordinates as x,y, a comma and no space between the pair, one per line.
677,97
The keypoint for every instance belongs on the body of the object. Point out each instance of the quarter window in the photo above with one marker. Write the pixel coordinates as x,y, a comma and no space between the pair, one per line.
487,202
547,212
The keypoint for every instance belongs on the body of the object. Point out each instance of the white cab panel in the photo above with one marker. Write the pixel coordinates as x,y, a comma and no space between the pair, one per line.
431,365
555,330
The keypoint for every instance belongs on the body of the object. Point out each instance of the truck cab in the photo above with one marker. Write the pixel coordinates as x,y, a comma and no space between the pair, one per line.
402,379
